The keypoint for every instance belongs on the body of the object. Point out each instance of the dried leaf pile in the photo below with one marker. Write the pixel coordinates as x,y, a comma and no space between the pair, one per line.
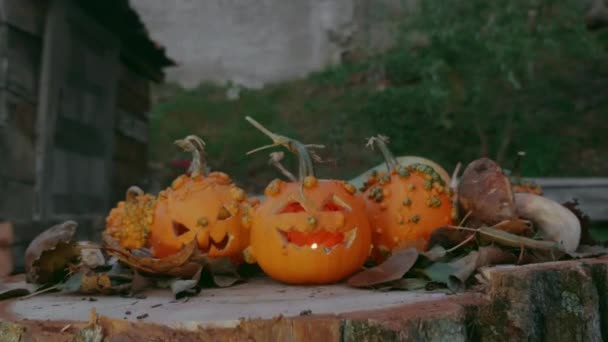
502,222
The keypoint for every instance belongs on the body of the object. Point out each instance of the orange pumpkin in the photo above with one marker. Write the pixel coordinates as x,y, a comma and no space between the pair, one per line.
129,222
405,204
310,231
201,205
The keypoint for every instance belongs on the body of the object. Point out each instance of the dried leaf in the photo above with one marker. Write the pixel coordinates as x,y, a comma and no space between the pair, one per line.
448,237
96,283
485,191
14,292
494,255
225,280
72,284
462,270
181,264
48,255
408,284
395,267
91,257
180,286
224,272
435,253
516,226
469,264
139,282
512,240
439,272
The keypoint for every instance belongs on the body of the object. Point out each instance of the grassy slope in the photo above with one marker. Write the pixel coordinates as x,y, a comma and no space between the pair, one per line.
483,78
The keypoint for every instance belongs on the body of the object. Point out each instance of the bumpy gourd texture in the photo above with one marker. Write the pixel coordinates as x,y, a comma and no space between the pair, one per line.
320,237
405,206
129,222
209,208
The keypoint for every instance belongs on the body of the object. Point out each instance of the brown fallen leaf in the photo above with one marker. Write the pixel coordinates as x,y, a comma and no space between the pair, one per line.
49,254
394,268
469,264
516,226
184,263
485,191
448,237
434,253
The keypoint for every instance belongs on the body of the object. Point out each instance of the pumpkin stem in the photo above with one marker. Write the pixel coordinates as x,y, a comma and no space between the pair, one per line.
305,165
133,192
381,141
275,160
196,146
517,166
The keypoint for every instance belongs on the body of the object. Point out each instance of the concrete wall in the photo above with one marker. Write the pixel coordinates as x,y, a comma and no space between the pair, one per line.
262,41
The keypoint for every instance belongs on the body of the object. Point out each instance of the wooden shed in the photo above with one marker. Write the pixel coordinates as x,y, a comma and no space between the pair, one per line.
75,80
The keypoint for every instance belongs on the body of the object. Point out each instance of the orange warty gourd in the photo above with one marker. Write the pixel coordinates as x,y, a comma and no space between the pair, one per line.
405,204
129,222
309,231
201,205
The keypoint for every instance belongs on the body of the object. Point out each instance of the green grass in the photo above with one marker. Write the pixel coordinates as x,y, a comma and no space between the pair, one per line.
486,82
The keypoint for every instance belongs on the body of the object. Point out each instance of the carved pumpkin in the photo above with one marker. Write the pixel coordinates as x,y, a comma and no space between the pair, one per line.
201,205
405,204
308,231
129,222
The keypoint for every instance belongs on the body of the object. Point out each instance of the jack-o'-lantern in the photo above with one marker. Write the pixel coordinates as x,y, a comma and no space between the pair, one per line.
405,204
309,231
201,205
129,222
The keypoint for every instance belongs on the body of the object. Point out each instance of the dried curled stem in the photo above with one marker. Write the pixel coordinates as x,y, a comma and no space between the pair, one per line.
196,146
275,160
381,142
305,164
133,192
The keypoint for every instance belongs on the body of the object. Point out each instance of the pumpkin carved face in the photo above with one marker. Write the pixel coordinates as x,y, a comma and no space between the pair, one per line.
206,207
320,237
309,231
405,205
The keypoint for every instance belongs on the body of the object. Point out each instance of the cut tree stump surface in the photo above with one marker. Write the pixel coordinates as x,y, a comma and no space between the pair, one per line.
259,298
556,301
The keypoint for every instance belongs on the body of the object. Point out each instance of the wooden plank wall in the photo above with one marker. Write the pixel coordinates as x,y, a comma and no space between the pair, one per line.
131,132
21,23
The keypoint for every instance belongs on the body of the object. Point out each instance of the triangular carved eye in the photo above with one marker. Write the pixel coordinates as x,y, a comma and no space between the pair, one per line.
224,214
292,207
179,229
334,203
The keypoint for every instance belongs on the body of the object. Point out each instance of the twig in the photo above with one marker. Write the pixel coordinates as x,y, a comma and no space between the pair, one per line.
464,219
464,242
511,240
48,289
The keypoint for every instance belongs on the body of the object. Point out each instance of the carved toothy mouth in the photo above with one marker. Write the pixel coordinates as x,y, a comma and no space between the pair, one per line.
319,239
220,245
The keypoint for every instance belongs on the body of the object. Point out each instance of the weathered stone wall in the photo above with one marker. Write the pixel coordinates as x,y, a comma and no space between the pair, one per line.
258,42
